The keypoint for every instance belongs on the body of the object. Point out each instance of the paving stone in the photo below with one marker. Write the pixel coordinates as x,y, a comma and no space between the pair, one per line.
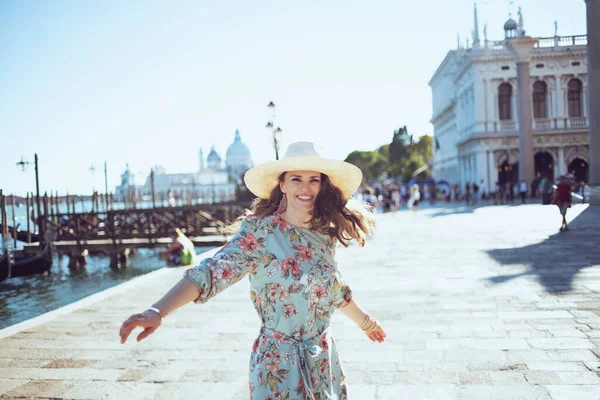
579,378
502,392
8,384
560,343
571,355
574,392
32,388
491,378
556,366
542,377
423,392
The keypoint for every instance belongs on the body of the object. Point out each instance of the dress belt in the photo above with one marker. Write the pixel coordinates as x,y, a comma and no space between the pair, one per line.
303,349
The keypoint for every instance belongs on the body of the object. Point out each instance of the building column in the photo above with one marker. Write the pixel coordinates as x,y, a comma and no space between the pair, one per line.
559,99
521,47
461,171
486,106
562,166
593,76
493,172
584,102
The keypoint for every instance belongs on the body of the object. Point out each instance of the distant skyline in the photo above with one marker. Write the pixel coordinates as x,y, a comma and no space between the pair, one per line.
149,83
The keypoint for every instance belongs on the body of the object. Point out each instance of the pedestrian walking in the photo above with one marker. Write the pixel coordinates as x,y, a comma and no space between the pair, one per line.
468,193
523,191
562,198
415,198
287,248
546,190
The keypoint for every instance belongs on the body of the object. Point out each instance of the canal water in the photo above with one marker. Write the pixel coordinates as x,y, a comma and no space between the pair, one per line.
27,297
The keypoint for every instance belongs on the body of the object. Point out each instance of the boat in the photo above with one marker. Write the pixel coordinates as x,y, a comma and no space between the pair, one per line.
22,234
4,266
30,265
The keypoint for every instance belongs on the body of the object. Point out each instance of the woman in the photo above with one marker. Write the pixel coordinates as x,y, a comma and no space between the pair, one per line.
415,197
562,198
287,247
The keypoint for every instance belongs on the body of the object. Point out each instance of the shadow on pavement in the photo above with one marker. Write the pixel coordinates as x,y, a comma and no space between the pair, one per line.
559,258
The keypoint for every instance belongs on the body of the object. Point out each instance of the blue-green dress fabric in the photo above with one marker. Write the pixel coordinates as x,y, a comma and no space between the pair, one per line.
295,286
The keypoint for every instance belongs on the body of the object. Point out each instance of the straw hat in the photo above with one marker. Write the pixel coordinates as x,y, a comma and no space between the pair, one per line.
302,156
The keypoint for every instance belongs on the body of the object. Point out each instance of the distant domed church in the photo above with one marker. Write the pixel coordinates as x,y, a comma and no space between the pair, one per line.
238,158
214,182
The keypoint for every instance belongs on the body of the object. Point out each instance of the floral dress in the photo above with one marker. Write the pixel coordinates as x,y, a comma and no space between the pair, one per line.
295,287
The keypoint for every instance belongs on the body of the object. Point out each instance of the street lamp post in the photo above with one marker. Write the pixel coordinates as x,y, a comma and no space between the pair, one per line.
275,131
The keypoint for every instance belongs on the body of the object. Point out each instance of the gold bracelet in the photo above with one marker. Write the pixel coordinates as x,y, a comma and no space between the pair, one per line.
365,321
374,325
368,326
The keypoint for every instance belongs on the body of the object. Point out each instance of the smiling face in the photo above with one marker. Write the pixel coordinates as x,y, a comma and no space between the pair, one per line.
302,189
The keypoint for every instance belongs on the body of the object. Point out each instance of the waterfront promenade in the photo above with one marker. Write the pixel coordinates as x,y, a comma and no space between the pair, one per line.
478,303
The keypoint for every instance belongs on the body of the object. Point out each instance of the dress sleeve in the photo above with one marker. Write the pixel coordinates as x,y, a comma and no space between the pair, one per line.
244,252
341,290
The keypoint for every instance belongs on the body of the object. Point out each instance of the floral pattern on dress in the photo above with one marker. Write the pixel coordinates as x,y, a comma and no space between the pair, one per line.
295,287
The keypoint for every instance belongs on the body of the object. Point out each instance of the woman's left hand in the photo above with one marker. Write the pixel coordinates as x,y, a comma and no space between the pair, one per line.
377,334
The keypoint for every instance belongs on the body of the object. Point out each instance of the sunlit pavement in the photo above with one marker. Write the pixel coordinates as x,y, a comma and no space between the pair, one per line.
478,303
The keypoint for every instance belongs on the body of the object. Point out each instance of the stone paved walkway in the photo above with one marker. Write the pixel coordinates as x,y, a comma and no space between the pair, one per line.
484,303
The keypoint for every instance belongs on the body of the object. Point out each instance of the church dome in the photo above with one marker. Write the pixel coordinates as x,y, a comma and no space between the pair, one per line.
510,25
213,155
238,149
238,158
213,160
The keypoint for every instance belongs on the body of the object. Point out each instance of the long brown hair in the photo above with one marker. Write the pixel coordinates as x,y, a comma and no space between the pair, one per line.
331,215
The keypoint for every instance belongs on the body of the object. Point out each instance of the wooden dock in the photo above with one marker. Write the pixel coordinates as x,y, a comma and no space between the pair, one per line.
106,246
117,233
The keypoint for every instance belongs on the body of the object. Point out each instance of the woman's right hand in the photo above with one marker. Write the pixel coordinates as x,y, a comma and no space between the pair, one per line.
149,320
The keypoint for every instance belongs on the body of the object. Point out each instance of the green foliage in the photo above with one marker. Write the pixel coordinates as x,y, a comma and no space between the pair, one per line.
399,159
371,163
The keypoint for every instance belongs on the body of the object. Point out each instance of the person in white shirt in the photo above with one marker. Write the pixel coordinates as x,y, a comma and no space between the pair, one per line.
414,197
523,191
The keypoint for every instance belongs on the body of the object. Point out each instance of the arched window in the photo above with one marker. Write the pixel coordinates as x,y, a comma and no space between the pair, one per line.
504,101
540,90
574,97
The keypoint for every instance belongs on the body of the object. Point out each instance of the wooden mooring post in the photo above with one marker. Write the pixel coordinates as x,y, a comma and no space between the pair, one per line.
3,215
28,217
14,219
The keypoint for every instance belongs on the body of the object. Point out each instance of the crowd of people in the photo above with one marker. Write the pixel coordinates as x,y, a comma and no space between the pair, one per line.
390,196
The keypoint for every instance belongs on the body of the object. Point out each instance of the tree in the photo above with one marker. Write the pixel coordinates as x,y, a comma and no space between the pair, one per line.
371,163
400,158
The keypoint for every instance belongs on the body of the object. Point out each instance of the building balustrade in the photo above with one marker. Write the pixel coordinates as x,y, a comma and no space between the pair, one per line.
544,124
508,126
545,42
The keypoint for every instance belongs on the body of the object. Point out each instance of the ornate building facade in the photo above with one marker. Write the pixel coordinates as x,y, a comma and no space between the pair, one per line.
475,110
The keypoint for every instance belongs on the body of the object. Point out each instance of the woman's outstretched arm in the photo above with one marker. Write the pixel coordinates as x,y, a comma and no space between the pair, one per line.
371,327
182,293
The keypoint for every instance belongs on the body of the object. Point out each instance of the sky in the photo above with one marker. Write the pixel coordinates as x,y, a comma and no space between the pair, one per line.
147,82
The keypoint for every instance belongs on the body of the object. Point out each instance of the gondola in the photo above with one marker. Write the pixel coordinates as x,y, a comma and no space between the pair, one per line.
22,234
30,265
4,266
